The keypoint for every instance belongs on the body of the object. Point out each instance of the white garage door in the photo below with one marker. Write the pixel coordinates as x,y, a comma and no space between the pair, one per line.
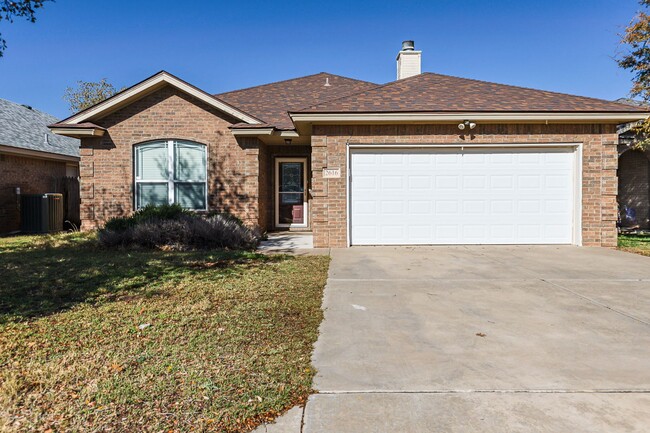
453,196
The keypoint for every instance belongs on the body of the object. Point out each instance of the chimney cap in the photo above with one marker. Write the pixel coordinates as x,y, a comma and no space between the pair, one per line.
408,45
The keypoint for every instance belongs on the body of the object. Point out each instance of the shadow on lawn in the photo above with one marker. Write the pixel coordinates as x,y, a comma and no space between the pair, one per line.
44,279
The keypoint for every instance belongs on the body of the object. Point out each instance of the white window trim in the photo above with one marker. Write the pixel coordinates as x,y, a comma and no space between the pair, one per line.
305,224
171,173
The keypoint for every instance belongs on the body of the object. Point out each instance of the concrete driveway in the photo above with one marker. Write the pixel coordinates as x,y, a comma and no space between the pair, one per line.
483,339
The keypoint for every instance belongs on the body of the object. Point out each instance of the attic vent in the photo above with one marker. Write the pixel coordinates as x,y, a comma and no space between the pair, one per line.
29,107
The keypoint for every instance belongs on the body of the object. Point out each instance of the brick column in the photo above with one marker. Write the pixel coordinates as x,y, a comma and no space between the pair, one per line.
251,169
609,190
319,206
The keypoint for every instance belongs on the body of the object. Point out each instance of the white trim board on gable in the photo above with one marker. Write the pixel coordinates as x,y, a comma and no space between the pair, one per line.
149,85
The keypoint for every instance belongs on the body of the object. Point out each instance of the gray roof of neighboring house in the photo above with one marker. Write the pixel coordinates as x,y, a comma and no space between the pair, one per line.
26,128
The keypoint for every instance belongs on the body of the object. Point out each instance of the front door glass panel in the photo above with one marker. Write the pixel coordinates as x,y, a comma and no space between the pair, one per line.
291,192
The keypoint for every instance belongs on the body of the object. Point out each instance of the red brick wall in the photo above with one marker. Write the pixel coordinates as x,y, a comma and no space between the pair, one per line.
634,185
599,182
106,168
32,176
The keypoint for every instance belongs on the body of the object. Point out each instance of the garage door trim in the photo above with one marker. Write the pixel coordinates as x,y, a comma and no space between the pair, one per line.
577,148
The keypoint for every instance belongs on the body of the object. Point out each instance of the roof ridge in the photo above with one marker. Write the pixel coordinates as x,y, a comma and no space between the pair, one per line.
364,91
290,79
491,83
523,87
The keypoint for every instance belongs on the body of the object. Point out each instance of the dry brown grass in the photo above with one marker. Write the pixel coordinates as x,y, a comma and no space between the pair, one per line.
229,341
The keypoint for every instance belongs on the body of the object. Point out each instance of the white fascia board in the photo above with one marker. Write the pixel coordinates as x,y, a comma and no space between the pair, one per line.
248,132
152,83
459,117
19,151
78,132
251,132
288,134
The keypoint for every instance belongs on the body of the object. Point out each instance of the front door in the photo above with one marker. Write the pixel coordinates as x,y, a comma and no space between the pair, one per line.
291,200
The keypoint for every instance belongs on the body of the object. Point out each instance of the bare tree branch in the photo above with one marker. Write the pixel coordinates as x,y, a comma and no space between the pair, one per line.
9,10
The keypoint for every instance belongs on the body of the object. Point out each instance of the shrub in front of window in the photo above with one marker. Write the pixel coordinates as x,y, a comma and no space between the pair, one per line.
172,227
147,213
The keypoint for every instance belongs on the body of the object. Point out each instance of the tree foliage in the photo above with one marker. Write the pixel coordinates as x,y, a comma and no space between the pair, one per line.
637,60
88,93
9,10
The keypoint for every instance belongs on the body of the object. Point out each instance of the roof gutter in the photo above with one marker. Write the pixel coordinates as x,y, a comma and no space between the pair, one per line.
486,117
18,151
255,132
78,132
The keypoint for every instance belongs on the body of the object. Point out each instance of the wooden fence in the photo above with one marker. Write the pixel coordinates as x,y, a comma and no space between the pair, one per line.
69,187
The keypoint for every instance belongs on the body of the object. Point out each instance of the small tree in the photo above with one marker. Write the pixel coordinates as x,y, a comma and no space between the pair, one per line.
10,9
637,60
88,93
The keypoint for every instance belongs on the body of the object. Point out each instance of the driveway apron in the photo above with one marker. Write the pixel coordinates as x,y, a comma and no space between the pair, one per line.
483,339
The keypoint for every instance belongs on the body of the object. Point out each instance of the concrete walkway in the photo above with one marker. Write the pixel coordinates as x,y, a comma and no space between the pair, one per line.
297,243
483,339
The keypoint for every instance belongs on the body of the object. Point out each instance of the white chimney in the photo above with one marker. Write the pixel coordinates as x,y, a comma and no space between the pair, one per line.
409,61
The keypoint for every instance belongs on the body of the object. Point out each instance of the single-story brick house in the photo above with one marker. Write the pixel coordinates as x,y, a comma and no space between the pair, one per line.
33,160
425,159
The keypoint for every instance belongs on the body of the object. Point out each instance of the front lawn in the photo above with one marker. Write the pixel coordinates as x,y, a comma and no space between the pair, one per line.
113,340
634,244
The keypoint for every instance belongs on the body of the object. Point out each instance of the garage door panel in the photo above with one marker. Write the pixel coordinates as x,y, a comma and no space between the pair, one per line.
421,196
446,207
475,182
502,207
392,207
365,182
419,207
448,182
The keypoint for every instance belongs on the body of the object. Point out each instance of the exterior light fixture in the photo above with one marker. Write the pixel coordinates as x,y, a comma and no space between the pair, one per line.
466,124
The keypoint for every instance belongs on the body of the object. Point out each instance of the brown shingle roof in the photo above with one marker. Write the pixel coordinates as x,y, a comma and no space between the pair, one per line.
430,92
271,102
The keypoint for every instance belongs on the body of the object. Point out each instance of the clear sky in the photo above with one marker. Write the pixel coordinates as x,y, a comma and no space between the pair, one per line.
562,45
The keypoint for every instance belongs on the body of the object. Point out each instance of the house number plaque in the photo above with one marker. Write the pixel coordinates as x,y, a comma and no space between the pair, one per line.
331,173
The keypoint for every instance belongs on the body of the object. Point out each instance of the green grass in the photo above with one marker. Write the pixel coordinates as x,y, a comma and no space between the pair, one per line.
229,341
634,244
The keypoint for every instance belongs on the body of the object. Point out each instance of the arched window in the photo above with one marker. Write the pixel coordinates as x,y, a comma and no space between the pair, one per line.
171,171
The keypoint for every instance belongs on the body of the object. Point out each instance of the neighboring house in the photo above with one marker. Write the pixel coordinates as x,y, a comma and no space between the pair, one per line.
426,159
633,176
33,160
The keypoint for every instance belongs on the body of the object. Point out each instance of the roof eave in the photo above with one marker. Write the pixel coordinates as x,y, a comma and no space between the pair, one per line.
251,132
486,117
255,132
78,132
30,153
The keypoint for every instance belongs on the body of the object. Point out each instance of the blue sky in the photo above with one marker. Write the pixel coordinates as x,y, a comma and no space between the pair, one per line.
560,45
